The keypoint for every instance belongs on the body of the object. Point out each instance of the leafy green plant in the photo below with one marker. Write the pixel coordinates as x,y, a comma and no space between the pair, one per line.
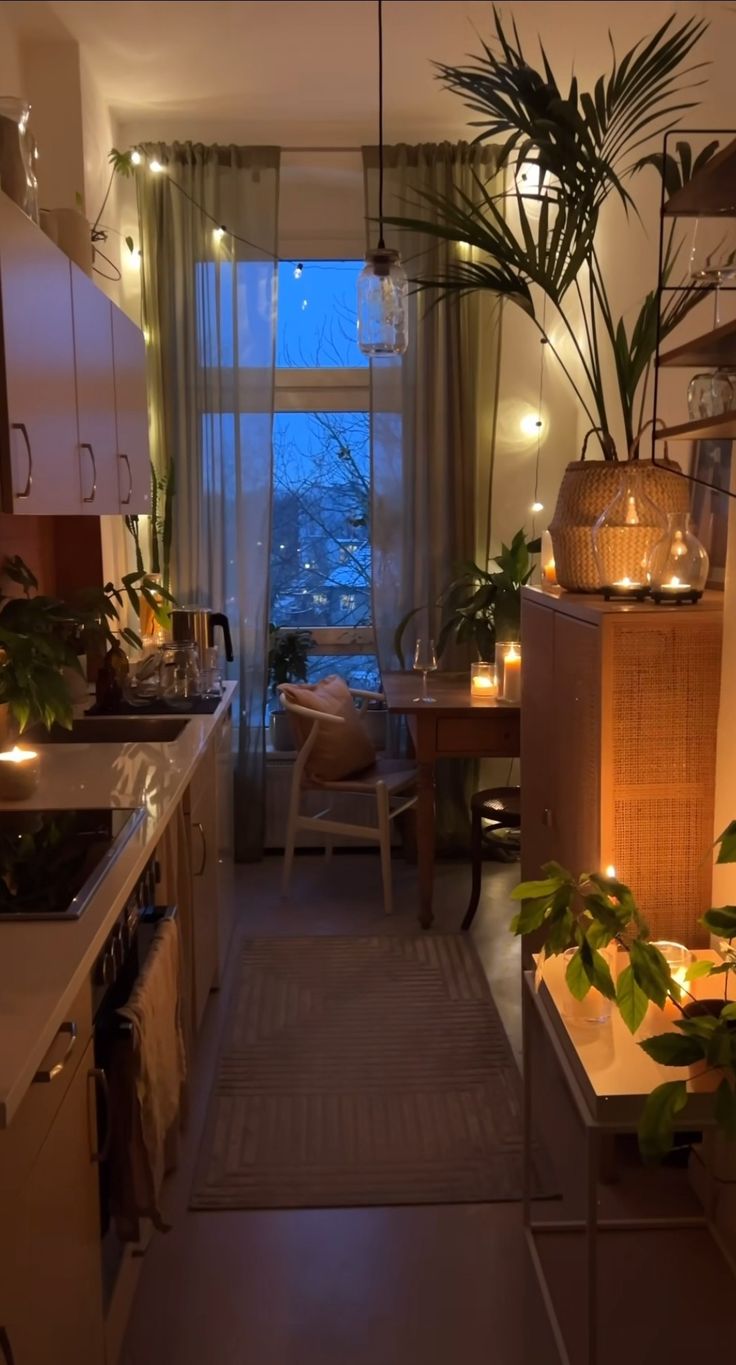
582,147
160,526
481,605
288,652
40,636
590,912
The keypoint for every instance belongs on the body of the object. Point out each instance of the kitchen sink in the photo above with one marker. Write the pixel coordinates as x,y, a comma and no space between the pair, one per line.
111,730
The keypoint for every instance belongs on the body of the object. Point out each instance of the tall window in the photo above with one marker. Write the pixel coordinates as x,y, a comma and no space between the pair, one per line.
320,546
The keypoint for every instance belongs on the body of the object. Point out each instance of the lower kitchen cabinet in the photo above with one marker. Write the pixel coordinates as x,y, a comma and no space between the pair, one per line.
51,1285
205,880
225,832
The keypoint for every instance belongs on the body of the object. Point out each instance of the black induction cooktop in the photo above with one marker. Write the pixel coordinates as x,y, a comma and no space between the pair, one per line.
52,861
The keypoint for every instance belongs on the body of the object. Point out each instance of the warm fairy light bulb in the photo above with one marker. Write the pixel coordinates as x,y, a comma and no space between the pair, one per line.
537,507
610,871
298,271
135,157
531,424
218,233
155,166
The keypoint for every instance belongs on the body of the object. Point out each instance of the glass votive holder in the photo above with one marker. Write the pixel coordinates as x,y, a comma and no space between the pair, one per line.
594,1008
510,687
678,959
483,683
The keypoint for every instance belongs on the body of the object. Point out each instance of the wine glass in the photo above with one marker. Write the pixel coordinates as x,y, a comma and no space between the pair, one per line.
713,257
425,661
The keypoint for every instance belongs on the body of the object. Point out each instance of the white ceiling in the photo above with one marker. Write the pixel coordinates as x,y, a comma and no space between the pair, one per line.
274,64
303,72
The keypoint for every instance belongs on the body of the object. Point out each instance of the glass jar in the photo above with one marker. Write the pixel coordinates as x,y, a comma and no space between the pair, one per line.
383,307
698,396
181,680
18,155
624,535
678,563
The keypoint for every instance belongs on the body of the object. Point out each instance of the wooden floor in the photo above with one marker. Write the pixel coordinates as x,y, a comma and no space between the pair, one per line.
410,1286
347,1286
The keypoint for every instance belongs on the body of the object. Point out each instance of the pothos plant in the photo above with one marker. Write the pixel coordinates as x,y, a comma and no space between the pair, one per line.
591,912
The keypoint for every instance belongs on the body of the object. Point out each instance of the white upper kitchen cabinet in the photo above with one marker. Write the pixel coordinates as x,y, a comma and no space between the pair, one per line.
131,406
39,456
98,455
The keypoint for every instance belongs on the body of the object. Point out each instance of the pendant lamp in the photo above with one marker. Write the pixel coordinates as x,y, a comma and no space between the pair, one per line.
383,311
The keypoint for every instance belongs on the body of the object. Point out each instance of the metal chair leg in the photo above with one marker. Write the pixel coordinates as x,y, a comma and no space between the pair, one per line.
476,856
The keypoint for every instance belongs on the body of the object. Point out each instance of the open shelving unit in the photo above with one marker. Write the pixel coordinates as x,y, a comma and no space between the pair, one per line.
711,193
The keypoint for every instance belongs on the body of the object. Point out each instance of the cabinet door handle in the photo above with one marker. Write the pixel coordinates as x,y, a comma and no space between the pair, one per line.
50,1073
6,1348
21,427
102,1087
198,825
126,462
85,445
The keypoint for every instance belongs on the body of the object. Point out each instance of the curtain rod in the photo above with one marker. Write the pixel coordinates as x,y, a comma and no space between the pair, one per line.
322,149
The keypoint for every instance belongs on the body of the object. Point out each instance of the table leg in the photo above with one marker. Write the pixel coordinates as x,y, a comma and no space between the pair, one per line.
425,841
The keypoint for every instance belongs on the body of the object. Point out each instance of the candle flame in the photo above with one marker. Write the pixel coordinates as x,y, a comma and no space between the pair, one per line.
610,870
512,655
16,755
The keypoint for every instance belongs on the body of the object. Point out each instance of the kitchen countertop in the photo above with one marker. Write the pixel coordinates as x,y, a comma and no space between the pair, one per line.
43,965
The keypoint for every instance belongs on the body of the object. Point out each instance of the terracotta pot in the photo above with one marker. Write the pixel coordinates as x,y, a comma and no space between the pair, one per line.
587,489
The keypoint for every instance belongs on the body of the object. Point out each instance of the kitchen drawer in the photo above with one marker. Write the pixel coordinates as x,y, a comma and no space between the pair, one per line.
493,735
22,1140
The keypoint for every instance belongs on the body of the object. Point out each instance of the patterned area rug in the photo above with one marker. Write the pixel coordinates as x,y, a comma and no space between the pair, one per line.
360,1071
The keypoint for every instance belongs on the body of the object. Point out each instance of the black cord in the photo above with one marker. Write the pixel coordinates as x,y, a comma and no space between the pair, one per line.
381,242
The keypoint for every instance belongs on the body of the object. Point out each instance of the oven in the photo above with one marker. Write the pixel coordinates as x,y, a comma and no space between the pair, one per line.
116,971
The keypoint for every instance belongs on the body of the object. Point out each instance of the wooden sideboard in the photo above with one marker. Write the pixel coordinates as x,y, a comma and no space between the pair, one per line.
618,746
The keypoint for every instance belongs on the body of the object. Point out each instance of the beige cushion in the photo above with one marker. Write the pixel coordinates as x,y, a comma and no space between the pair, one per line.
339,750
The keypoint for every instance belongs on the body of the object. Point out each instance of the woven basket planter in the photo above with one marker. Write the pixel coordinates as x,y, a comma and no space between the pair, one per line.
586,490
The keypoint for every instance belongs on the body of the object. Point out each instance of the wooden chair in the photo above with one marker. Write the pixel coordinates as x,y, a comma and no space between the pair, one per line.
388,780
502,807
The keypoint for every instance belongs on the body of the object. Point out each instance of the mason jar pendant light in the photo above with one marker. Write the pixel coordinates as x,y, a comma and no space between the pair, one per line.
383,312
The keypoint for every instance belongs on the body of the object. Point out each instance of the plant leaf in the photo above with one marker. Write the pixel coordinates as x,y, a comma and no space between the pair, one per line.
721,919
578,982
631,1000
661,1108
673,1049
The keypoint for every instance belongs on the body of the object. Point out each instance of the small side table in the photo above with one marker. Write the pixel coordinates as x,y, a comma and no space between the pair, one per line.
607,1077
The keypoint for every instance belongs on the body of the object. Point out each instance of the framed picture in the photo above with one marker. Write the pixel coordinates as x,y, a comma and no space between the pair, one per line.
709,507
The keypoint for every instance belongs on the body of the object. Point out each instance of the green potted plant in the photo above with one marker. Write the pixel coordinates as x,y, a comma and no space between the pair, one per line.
288,653
42,638
582,916
481,606
536,242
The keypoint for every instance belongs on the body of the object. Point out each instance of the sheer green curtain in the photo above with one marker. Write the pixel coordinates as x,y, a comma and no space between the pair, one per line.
209,311
432,422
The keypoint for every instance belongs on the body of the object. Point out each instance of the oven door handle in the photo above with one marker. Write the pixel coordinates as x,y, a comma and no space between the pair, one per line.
102,1088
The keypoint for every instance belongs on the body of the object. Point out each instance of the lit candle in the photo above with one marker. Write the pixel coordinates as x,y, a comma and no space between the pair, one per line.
628,584
675,585
20,770
512,675
549,574
483,682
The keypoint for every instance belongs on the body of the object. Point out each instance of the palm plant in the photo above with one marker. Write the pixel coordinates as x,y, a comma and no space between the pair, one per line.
582,146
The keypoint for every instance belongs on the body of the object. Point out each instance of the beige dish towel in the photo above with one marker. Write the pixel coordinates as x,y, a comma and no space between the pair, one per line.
149,1091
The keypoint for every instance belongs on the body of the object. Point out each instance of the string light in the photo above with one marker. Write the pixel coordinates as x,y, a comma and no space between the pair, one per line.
298,270
136,157
537,507
218,233
155,166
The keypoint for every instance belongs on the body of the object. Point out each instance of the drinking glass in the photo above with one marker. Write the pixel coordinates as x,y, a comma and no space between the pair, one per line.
713,258
425,661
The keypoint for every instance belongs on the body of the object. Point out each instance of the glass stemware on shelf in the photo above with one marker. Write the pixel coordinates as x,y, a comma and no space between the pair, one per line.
425,662
712,262
710,394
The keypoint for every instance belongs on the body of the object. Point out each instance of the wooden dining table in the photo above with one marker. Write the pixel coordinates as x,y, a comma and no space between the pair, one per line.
452,726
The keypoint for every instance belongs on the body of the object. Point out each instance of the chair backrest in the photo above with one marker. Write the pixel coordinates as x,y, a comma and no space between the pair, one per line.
333,743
